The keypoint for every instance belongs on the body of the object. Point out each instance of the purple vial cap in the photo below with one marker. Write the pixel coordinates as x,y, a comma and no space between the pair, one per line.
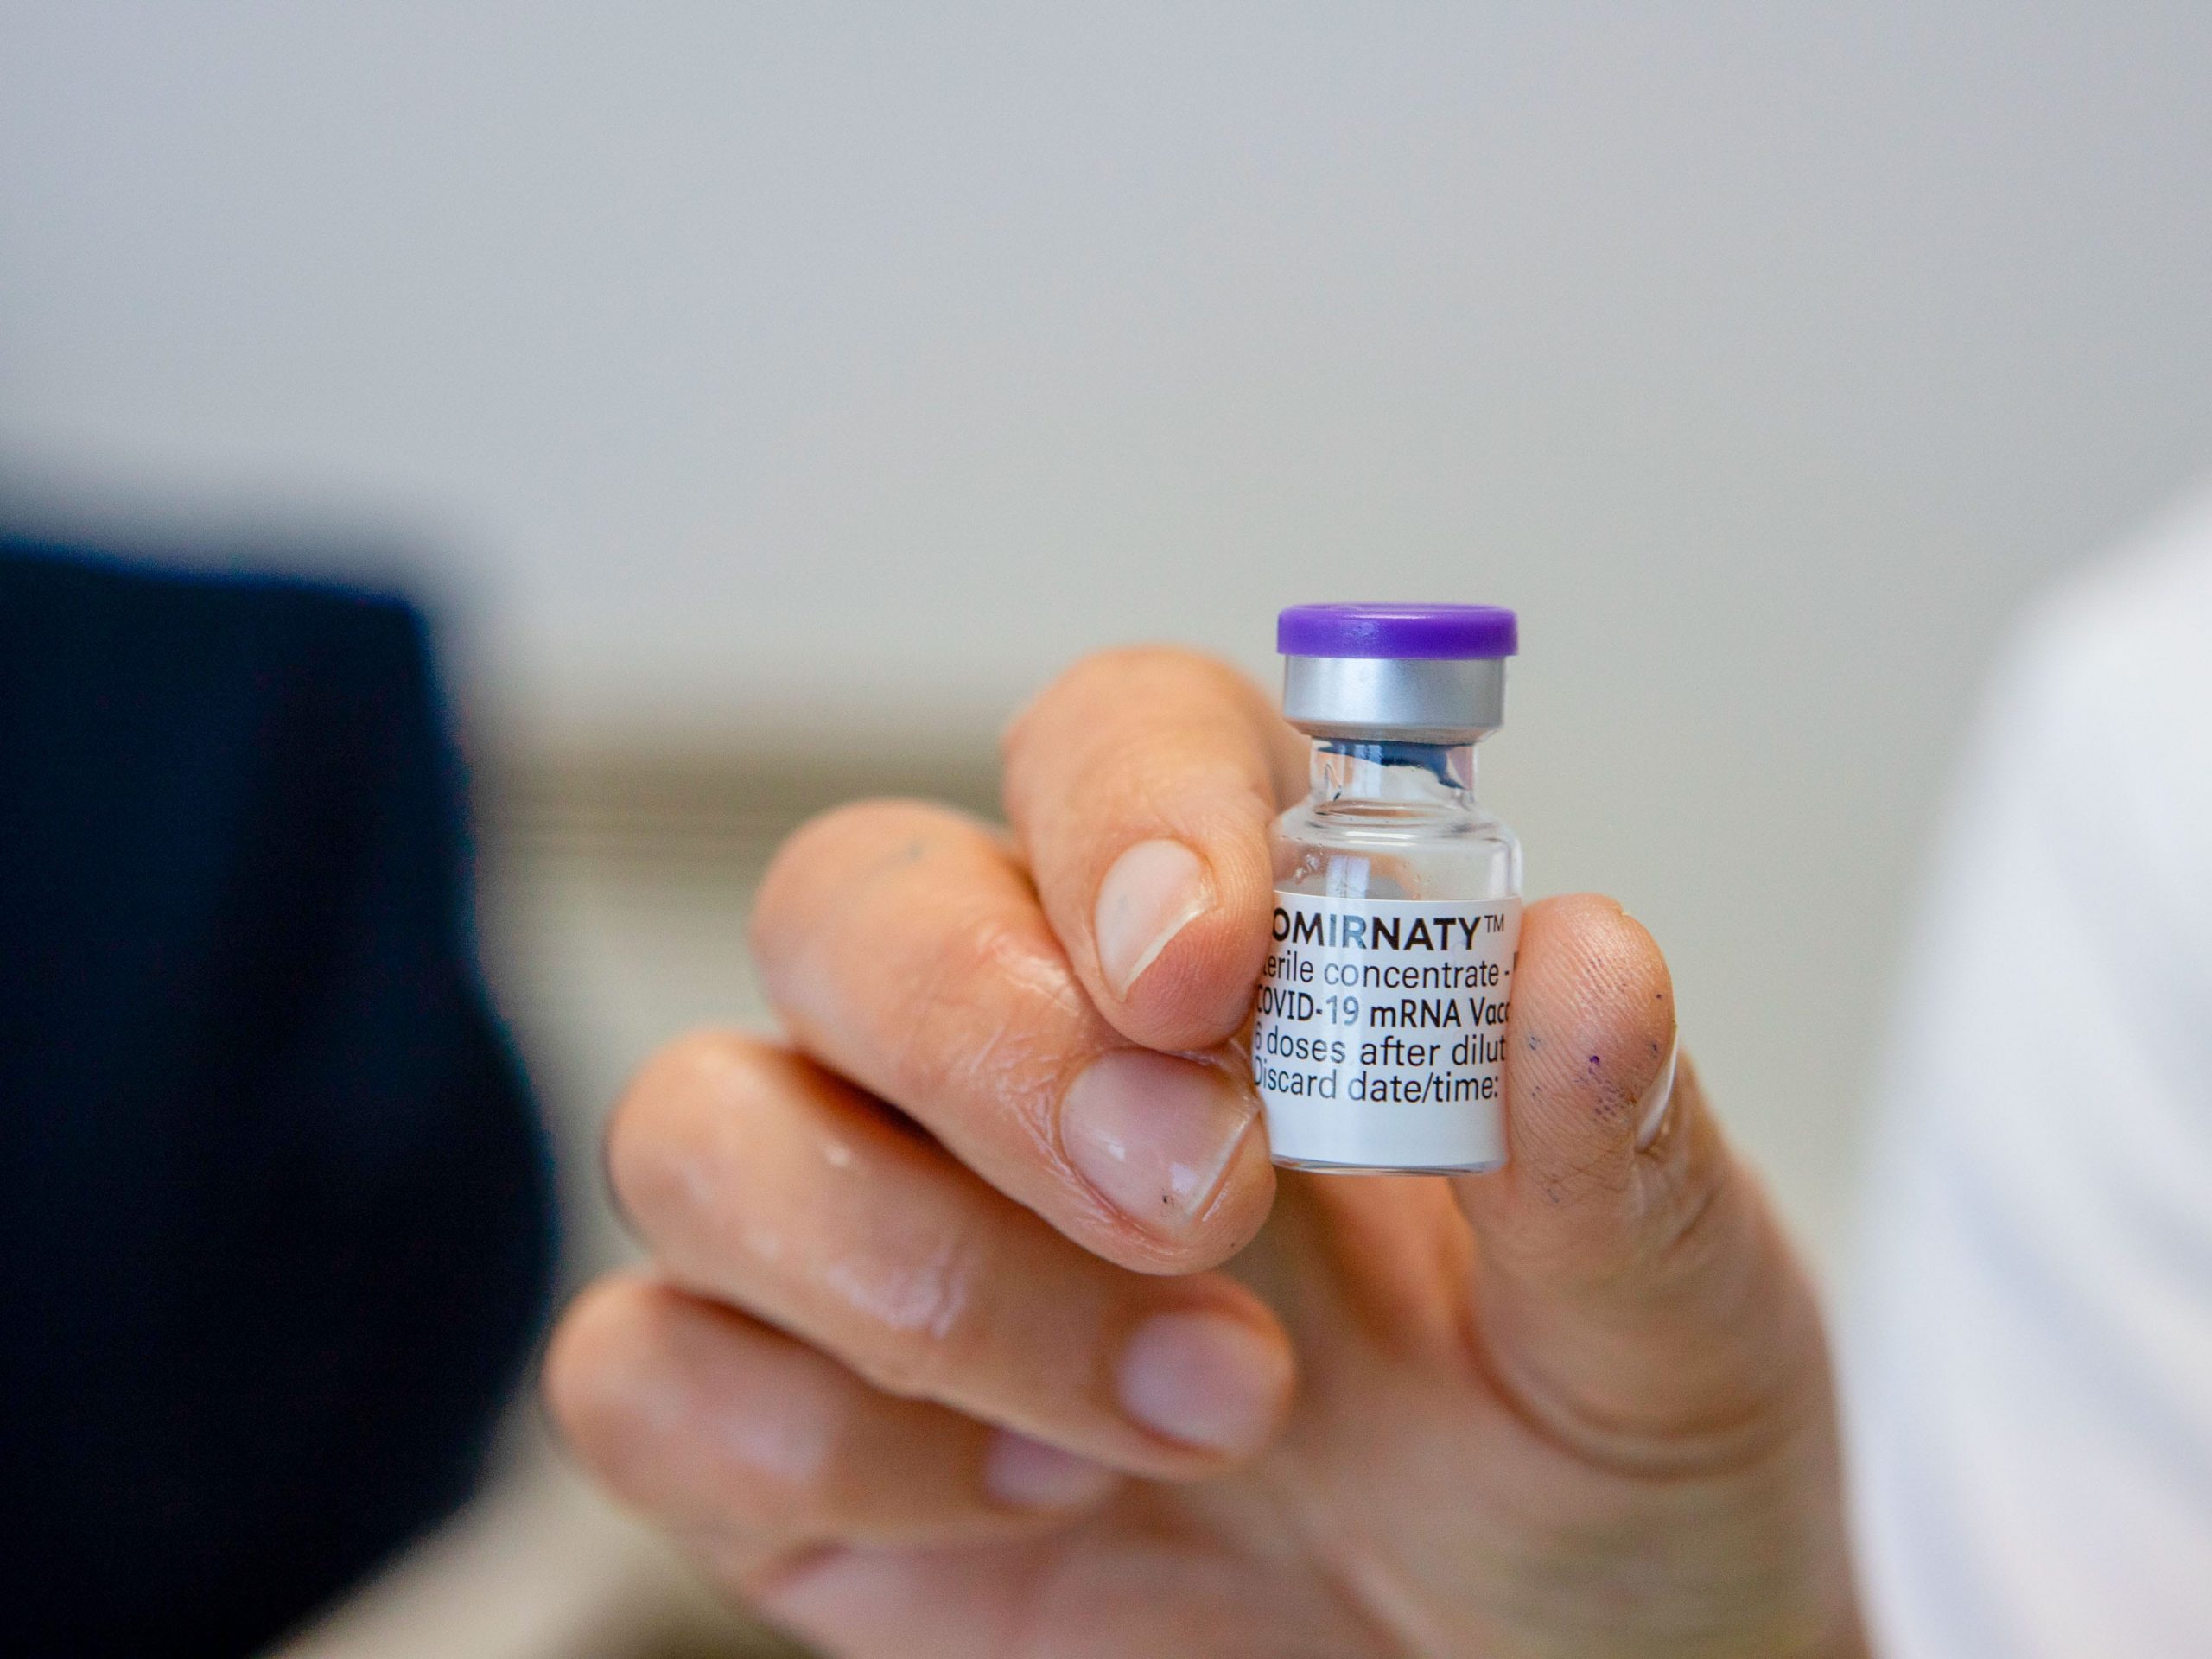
1449,632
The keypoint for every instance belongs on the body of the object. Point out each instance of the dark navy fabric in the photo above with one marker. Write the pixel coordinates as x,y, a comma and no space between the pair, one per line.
274,1208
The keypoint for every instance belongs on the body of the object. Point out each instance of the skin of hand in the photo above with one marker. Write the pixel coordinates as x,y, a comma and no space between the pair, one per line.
978,1325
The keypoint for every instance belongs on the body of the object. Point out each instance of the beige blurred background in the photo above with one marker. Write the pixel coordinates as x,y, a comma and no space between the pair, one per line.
770,397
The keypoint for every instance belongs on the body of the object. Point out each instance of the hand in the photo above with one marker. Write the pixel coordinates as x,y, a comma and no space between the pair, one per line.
980,1326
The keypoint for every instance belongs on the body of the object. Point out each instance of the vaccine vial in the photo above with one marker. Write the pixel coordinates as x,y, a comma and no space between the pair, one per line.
1379,1042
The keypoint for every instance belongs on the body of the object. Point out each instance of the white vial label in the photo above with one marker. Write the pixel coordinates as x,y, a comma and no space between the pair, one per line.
1380,1042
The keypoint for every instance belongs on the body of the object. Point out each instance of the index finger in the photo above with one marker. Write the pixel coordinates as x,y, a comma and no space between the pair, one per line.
1141,786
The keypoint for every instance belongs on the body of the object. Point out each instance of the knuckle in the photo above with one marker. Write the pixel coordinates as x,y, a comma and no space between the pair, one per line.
960,1034
1118,665
649,1135
582,1380
818,864
928,1337
856,832
610,1384
1113,674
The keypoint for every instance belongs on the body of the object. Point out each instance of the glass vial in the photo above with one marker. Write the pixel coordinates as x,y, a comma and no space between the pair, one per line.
1379,1042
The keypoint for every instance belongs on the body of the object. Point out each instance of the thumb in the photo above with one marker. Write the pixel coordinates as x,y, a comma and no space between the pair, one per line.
1635,1293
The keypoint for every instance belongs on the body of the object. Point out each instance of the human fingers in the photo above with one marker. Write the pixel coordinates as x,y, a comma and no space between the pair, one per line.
759,1180
1138,1582
1635,1288
718,1427
904,948
1141,786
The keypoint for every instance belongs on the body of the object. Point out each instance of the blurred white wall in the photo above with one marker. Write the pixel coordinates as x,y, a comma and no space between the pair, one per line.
728,367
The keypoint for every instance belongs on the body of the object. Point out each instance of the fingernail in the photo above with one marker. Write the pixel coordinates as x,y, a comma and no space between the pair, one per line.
1030,1475
1204,1379
1651,1109
1153,1133
1149,895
